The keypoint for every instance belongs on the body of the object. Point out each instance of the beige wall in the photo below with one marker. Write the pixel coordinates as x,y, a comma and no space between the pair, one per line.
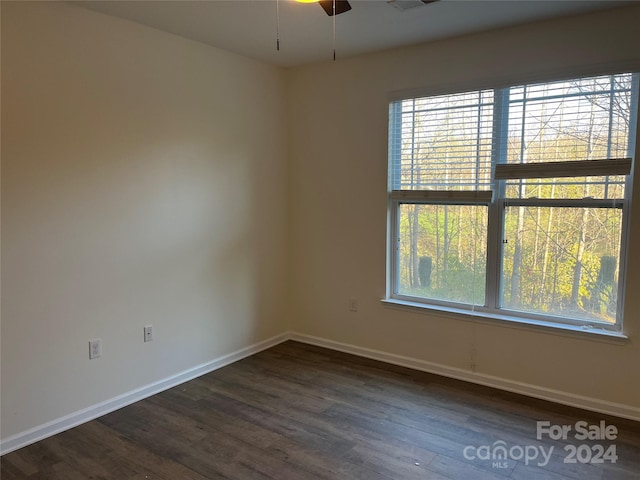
338,130
143,182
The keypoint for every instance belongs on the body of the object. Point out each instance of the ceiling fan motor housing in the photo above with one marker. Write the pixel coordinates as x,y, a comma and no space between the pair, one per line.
341,6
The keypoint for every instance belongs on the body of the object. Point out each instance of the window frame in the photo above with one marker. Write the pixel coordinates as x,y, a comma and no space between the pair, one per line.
496,202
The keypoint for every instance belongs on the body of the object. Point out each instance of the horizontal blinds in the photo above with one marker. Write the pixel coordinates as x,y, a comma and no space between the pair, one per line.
444,196
577,168
442,142
571,120
563,202
575,128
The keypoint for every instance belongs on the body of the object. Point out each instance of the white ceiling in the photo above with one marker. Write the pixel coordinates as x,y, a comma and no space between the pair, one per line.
248,27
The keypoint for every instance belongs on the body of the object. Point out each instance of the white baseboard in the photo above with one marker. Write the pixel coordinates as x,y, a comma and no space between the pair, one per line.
586,403
74,419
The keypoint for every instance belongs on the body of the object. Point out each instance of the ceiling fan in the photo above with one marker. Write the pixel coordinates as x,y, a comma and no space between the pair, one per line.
337,7
341,6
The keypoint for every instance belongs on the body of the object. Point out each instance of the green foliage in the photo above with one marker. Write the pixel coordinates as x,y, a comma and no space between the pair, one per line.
454,238
558,253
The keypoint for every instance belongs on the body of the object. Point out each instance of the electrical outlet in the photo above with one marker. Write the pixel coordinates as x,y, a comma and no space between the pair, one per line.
95,348
353,304
148,333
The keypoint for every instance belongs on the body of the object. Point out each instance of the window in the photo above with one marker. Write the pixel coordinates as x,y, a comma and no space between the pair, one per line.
514,201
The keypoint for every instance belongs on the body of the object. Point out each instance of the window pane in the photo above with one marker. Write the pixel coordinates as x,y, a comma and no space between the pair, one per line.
562,261
442,252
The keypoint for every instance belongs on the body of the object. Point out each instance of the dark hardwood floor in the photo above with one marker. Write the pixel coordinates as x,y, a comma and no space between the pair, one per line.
301,412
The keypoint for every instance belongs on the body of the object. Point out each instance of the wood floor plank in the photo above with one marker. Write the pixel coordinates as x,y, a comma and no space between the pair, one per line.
303,412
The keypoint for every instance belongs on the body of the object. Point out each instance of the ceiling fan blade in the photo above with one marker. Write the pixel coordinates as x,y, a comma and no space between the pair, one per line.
341,6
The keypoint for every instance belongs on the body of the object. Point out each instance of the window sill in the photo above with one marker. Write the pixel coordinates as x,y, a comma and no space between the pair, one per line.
506,321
